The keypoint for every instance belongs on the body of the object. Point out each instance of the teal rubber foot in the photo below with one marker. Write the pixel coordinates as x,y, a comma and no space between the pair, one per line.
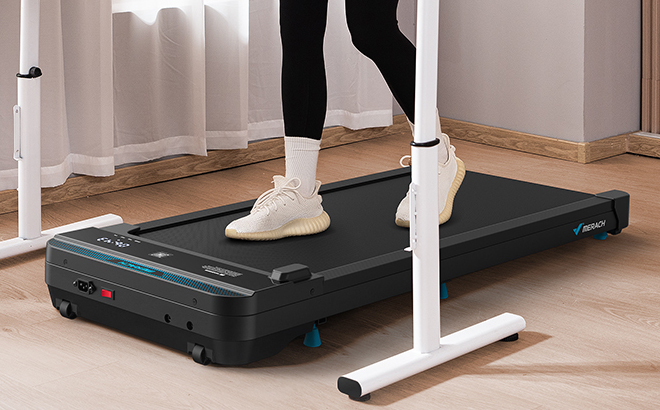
443,291
313,338
601,236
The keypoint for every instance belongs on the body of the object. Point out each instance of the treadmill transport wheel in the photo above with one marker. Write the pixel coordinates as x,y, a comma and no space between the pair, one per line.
199,355
66,310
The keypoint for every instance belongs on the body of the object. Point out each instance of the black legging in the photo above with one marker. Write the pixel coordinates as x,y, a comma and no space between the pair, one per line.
375,33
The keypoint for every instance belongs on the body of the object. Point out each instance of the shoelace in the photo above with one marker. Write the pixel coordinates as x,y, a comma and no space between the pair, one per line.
269,198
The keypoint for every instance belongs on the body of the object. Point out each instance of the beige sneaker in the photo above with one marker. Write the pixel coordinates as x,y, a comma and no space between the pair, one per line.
450,177
280,212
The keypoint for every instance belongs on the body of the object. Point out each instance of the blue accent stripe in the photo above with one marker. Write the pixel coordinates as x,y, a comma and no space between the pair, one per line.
147,270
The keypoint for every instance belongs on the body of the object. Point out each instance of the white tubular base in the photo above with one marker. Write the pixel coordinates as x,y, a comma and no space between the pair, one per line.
362,382
17,246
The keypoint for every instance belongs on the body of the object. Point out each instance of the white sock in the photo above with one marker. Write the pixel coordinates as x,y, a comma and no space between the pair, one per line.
301,155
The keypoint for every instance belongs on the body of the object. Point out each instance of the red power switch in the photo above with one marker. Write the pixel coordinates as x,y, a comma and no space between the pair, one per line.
110,294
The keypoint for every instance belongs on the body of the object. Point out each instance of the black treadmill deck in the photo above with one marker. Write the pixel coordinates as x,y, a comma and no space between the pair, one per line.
186,265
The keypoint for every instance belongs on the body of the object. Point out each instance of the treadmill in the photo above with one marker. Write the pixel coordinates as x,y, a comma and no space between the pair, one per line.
181,283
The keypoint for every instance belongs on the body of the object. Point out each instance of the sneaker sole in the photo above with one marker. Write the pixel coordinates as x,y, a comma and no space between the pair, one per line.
449,206
297,227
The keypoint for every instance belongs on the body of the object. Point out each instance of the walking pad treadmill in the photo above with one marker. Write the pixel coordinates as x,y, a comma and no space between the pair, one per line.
181,283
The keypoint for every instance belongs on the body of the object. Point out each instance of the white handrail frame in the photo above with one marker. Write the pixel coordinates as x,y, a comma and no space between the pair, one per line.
429,347
27,147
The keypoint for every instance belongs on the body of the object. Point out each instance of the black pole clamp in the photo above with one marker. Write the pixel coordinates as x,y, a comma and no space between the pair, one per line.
33,73
426,144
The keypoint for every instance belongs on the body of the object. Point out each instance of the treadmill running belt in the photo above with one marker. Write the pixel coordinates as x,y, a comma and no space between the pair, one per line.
363,223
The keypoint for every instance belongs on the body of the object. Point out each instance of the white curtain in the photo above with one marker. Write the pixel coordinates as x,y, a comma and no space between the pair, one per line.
129,81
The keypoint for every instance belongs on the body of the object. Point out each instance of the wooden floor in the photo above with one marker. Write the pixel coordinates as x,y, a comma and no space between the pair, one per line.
592,310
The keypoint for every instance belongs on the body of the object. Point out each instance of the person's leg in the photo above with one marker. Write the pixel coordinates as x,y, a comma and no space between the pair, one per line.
304,86
304,89
375,33
293,206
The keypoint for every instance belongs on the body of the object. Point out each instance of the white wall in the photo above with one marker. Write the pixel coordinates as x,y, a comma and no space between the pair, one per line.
612,67
567,69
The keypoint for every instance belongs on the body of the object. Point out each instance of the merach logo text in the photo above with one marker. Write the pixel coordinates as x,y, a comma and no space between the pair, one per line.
589,227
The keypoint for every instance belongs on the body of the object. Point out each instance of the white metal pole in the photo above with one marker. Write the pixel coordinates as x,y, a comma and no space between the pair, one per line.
424,227
429,348
27,146
391,370
28,153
